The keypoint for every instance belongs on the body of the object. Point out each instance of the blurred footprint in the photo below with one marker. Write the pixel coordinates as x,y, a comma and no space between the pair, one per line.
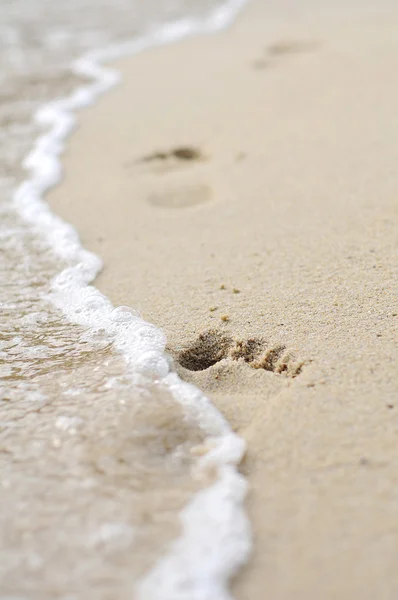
284,48
181,195
166,160
287,47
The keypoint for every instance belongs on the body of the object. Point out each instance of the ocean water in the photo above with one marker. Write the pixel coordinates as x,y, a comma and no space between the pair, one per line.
117,480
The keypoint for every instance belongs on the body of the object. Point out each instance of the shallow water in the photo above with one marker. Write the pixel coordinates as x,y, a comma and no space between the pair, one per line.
102,448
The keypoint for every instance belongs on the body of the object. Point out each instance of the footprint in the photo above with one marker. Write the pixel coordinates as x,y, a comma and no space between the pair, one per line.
177,189
166,160
181,196
286,47
213,346
281,49
204,352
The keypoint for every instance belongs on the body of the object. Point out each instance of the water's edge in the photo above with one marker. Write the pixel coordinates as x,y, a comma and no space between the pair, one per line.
216,537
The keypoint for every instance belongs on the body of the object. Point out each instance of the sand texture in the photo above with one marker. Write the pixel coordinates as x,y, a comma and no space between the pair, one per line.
242,190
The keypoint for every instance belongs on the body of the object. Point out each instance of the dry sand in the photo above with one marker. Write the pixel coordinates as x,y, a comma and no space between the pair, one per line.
274,224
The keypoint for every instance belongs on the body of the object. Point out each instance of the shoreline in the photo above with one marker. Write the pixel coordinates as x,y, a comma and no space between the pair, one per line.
194,257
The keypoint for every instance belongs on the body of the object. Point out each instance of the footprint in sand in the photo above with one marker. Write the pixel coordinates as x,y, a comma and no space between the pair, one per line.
213,346
180,195
282,49
176,190
239,374
162,161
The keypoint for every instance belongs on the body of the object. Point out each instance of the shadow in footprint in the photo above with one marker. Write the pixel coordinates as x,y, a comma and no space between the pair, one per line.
287,47
213,346
207,350
174,156
281,49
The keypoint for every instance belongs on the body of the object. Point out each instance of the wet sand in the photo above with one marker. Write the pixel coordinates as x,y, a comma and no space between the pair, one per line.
242,191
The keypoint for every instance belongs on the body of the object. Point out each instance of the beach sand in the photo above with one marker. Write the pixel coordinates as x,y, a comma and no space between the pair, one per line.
242,190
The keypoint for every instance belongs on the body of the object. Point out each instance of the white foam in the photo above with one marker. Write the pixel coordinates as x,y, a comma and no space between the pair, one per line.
215,539
213,543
